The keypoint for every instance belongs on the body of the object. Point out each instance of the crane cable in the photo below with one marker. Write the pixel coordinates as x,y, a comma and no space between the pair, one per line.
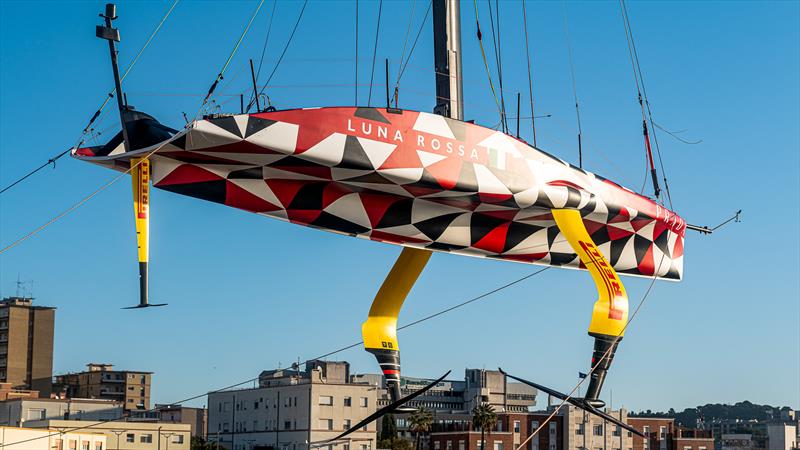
485,61
574,86
530,77
323,356
80,140
644,103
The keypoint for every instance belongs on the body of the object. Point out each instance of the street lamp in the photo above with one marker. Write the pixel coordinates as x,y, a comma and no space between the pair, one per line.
118,433
167,436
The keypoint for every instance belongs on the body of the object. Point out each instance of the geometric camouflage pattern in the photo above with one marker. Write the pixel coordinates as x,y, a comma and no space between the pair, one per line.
413,179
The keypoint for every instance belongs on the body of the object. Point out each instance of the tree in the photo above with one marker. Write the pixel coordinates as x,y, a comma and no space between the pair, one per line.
394,444
388,428
484,417
420,422
198,443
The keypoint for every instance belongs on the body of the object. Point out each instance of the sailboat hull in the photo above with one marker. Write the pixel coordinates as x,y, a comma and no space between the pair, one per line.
413,179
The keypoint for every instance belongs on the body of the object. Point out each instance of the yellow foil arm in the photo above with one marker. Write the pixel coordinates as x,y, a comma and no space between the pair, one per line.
380,329
610,312
141,204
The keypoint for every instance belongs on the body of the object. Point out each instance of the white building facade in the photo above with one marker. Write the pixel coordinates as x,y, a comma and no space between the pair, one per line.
292,410
15,438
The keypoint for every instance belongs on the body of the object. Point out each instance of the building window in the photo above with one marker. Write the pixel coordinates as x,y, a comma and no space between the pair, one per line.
85,445
287,424
534,425
516,426
553,428
326,424
646,431
364,446
345,446
255,405
462,445
617,430
177,439
59,444
129,438
348,401
364,402
449,445
326,400
436,445
662,432
73,444
479,445
98,446
534,444
687,447
255,425
146,439
597,430
346,425
579,429
498,445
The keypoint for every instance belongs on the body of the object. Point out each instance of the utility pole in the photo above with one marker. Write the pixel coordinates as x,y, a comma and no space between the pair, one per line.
447,59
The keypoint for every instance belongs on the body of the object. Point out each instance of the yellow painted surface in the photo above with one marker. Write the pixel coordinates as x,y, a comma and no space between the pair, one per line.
380,329
610,312
141,205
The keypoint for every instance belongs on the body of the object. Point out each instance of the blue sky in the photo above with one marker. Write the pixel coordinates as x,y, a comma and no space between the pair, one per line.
248,293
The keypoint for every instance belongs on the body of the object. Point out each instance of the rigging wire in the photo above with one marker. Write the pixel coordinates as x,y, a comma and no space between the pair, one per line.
600,360
674,134
644,102
411,52
263,52
485,61
405,42
81,139
105,186
228,61
285,48
574,86
496,45
530,77
375,52
356,46
323,356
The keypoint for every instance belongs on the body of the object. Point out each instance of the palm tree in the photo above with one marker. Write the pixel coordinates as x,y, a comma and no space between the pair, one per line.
420,422
484,417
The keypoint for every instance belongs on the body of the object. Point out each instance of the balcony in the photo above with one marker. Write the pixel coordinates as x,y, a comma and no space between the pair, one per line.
111,392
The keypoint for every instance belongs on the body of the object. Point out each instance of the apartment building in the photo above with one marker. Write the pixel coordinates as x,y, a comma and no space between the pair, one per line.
50,438
478,386
196,418
132,388
17,412
26,344
125,435
454,431
291,409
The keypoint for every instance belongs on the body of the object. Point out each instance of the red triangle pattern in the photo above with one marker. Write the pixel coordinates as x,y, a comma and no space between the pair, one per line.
242,199
188,173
